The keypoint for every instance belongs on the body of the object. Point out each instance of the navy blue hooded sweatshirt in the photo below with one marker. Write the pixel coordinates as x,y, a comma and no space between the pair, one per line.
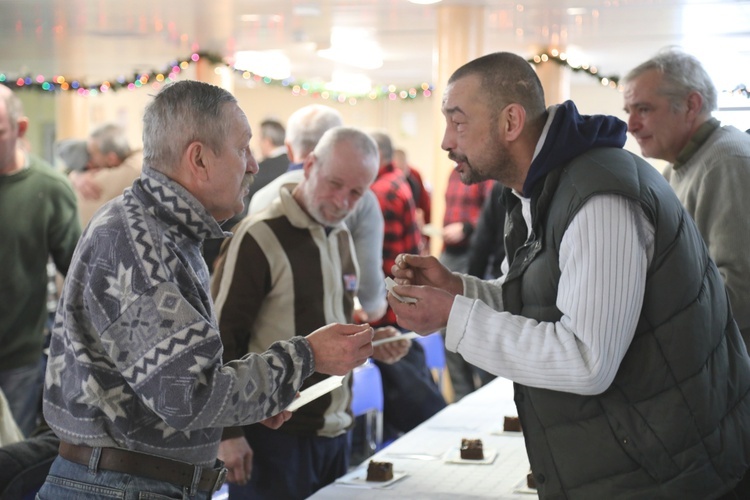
570,135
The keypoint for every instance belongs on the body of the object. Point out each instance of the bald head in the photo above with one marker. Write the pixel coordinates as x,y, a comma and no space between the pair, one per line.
506,78
337,174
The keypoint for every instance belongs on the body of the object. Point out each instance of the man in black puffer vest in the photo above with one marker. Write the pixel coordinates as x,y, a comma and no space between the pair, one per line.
632,380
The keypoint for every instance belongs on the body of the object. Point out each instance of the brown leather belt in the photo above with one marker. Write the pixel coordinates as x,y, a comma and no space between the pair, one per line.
145,465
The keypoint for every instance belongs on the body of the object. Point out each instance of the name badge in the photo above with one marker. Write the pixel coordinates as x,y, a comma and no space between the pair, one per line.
350,282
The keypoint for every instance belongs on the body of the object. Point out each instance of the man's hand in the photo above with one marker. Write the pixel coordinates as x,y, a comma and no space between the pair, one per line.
453,233
430,312
277,420
338,348
416,270
390,352
238,459
85,185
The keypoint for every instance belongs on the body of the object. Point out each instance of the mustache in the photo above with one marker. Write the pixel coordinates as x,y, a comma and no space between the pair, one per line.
248,180
456,157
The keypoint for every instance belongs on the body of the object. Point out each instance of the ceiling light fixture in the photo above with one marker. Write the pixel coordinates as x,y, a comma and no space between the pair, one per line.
271,63
425,2
349,83
353,47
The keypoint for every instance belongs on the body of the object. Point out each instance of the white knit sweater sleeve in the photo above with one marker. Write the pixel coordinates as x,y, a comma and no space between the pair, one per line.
604,257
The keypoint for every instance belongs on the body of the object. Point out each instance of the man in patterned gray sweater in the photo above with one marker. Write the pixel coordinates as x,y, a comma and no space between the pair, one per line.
136,388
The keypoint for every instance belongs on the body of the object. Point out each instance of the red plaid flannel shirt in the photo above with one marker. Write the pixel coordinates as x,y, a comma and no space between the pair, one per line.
464,203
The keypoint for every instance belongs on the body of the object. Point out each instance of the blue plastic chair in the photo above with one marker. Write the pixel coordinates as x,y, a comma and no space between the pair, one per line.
434,352
367,399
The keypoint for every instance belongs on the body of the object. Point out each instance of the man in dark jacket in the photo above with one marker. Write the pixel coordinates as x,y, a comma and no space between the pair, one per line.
632,380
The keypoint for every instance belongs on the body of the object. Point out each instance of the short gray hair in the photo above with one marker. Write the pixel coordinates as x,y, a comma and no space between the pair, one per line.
385,146
111,138
306,126
274,131
361,141
681,75
181,113
506,78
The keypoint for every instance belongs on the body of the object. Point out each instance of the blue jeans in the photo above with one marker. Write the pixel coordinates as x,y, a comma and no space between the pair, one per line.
23,390
71,481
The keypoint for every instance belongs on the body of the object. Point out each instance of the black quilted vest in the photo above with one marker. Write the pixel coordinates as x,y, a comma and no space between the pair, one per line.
671,424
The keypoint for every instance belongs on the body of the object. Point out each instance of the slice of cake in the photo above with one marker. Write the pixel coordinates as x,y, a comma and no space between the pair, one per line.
379,471
512,424
530,481
472,449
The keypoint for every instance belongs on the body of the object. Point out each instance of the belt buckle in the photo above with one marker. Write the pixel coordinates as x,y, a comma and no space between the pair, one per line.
220,480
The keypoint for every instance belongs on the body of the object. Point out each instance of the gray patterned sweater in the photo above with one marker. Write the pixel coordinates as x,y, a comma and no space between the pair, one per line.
135,356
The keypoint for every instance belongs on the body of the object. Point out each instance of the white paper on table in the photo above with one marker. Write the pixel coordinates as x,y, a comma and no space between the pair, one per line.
315,391
523,487
405,336
358,479
389,284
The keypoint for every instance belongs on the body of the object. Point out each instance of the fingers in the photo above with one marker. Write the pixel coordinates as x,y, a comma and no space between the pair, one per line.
248,467
354,329
237,473
385,332
407,290
391,352
364,338
277,420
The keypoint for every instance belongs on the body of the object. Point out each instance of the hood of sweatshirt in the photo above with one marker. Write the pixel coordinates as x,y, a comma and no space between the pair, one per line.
570,135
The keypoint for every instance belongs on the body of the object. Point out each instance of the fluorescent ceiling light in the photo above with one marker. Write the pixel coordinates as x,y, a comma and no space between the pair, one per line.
353,47
359,57
271,63
425,2
349,83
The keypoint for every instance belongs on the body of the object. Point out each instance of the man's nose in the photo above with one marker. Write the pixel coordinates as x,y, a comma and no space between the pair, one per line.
448,141
633,123
341,200
252,165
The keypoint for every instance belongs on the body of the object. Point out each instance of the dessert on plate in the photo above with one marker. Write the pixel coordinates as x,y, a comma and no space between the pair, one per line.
512,424
472,449
379,471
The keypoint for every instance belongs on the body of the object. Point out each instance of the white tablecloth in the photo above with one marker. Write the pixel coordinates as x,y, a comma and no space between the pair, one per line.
477,416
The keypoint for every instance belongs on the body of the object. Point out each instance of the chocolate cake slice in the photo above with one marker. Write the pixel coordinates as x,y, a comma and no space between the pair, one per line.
379,471
472,449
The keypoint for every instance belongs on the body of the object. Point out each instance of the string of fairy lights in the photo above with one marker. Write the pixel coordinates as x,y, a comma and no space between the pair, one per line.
562,59
173,69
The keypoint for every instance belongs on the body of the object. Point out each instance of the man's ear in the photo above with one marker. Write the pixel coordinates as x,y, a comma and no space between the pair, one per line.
694,104
197,160
512,121
23,126
308,164
289,152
